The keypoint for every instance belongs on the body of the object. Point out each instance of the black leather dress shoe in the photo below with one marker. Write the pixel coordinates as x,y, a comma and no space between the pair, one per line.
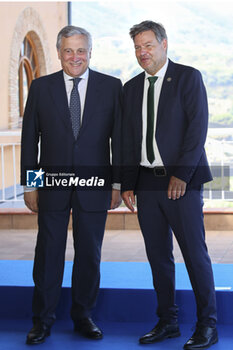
88,329
202,338
38,333
160,332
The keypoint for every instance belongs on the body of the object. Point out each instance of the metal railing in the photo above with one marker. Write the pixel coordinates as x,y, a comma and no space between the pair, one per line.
220,156
10,190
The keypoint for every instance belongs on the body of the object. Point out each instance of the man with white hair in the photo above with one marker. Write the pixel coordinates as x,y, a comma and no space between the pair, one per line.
73,116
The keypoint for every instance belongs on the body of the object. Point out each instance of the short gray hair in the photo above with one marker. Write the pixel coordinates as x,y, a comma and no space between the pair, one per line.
68,31
157,28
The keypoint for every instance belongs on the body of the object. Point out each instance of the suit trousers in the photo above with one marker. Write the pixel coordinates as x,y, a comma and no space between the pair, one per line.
158,217
88,232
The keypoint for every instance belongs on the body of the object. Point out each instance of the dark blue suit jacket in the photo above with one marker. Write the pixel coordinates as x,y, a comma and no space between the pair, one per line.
47,119
181,129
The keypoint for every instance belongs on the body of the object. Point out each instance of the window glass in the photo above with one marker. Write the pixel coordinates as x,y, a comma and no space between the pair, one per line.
28,70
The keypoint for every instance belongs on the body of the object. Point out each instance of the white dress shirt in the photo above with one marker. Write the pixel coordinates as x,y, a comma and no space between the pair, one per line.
82,88
157,89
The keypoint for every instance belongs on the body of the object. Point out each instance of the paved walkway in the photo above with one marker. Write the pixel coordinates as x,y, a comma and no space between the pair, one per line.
118,246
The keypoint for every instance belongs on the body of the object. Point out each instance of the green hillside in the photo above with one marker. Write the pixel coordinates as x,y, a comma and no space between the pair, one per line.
200,35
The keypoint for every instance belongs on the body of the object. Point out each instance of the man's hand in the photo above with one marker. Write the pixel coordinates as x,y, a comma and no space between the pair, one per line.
31,200
129,199
116,199
176,188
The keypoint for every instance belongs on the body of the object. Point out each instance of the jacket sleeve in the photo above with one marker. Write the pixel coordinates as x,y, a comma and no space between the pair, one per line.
196,109
116,134
30,134
131,146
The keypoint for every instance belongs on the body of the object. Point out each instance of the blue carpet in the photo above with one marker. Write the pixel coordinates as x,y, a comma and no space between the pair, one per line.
126,292
117,336
125,309
114,275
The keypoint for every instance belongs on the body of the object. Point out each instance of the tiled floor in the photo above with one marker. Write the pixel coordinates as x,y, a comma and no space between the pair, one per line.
118,246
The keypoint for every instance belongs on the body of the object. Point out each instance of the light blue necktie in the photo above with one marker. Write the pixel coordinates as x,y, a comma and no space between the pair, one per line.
75,108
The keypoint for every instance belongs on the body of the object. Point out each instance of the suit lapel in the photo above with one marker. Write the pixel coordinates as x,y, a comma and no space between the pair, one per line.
59,98
139,88
166,90
93,90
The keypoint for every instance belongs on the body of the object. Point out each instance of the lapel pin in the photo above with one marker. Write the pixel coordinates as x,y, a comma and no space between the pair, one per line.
169,79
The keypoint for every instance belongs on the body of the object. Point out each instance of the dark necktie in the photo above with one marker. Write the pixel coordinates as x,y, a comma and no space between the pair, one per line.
75,108
150,120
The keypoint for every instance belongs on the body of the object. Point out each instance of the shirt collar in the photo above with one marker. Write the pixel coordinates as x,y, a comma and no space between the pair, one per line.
85,75
160,73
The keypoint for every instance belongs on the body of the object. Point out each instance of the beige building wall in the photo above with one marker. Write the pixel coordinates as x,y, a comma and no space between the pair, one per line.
16,19
43,20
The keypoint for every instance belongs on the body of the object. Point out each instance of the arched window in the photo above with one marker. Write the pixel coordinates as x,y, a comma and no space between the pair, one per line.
28,70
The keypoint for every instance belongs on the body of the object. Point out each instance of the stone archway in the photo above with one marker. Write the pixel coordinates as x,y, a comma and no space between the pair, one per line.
28,22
